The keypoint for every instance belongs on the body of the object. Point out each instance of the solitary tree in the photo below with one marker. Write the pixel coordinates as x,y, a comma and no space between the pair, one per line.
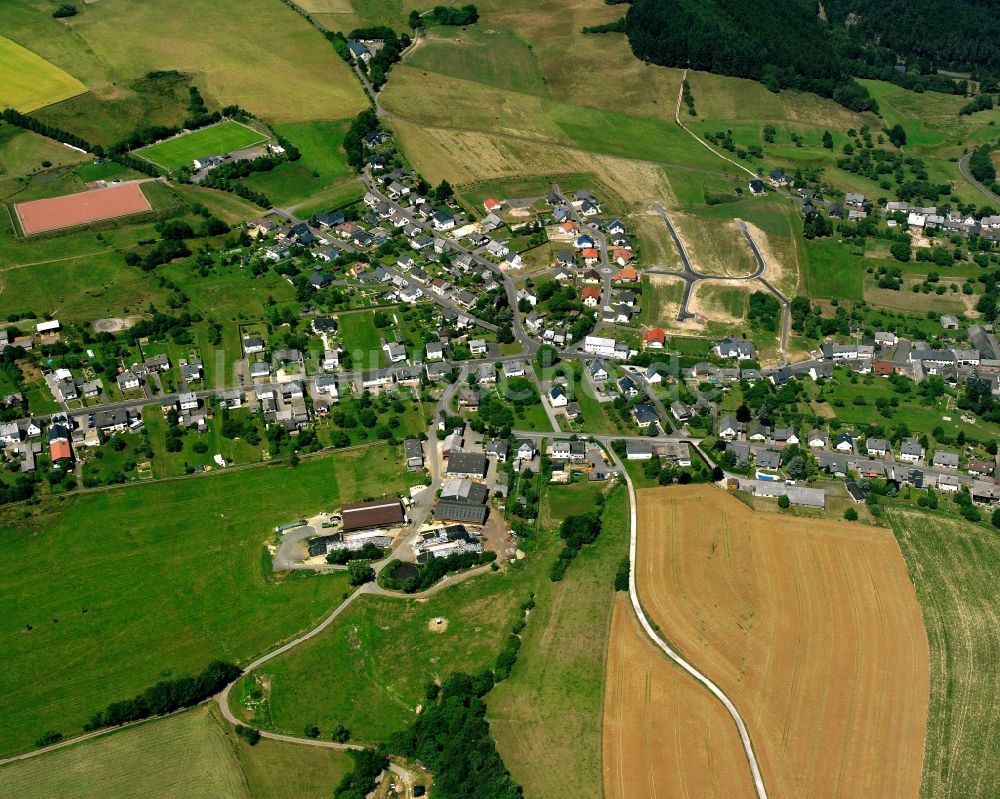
827,140
784,501
851,515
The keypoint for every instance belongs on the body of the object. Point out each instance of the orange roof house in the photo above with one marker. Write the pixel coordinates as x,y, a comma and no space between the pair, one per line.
591,254
569,227
655,338
627,275
492,204
623,255
60,450
592,294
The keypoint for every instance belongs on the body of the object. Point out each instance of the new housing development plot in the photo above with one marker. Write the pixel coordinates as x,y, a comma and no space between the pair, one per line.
69,210
810,626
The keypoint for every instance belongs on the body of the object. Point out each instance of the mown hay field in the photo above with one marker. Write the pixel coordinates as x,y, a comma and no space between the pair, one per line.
954,566
812,628
31,82
192,754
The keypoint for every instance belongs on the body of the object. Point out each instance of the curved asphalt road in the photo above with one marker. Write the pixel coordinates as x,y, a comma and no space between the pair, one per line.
963,167
717,692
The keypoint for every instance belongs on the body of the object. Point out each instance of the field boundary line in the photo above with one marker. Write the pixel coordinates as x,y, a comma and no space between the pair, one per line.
674,656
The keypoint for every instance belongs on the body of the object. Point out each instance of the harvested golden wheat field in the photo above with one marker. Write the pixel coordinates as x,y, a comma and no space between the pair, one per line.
811,627
664,734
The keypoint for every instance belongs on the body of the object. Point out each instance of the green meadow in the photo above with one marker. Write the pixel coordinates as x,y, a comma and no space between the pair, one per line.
109,592
194,753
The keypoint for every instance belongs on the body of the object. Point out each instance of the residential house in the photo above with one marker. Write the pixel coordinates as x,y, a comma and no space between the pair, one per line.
758,432
627,387
655,338
681,411
513,369
910,451
557,396
729,428
645,415
638,450
598,372
945,460
740,349
877,447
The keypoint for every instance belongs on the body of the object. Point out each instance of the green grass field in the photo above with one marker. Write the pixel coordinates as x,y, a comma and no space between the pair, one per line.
953,565
194,753
565,500
213,140
126,587
832,271
369,669
30,81
22,152
318,176
547,718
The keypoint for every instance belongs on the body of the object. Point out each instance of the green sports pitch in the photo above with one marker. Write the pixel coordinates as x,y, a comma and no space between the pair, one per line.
214,140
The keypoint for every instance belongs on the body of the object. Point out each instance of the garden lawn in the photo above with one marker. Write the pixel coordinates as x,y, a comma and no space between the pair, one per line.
362,339
130,586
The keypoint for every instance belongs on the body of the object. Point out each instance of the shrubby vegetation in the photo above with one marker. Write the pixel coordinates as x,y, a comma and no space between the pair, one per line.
362,780
367,552
576,532
432,571
452,739
765,311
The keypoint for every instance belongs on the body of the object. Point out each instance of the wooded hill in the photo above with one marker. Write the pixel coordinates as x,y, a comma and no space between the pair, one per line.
961,35
786,45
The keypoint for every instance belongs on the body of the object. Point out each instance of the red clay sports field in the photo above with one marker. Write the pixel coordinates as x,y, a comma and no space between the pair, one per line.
39,216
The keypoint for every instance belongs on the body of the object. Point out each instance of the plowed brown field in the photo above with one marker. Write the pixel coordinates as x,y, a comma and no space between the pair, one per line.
810,626
664,734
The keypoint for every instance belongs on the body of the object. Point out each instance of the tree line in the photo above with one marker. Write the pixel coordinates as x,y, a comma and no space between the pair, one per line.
167,696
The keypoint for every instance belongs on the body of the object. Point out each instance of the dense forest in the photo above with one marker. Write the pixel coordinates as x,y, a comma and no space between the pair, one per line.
785,44
962,34
782,44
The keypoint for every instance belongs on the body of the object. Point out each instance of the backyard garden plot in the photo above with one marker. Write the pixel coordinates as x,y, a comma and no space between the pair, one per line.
225,137
810,626
30,82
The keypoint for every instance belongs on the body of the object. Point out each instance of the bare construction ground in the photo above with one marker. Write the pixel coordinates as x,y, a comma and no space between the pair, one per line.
715,247
664,734
811,627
